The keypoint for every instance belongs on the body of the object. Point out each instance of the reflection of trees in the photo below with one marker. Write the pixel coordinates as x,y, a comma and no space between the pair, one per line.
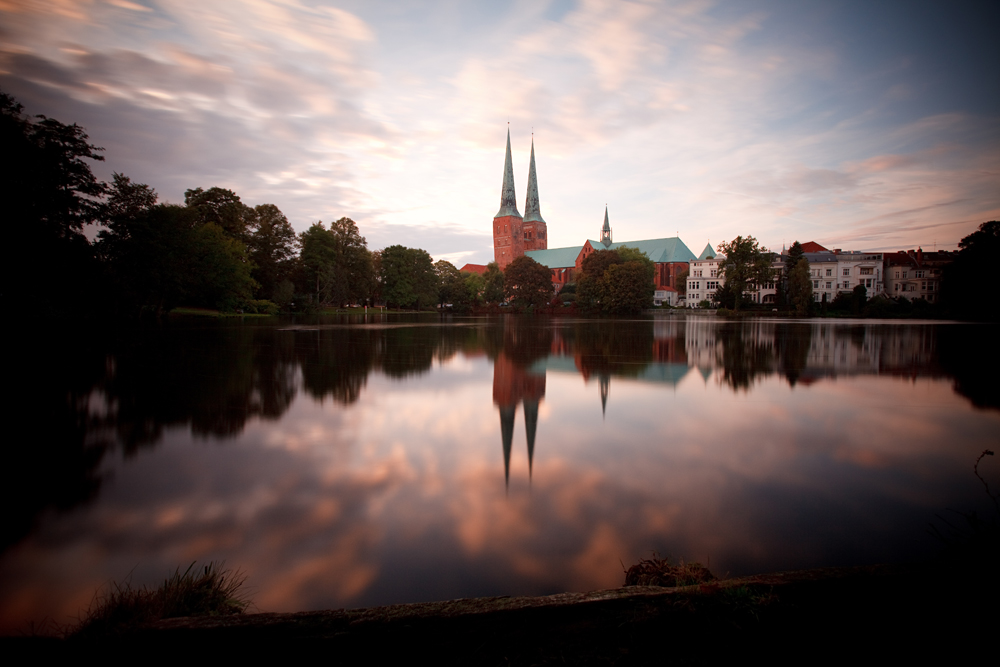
791,347
606,348
63,437
743,354
335,362
213,378
969,353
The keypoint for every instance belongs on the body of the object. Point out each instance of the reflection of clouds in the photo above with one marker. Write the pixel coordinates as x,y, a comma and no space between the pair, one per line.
400,496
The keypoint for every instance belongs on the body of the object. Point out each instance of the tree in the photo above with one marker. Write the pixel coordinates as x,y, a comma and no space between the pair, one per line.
970,272
745,264
493,287
221,206
337,265
49,194
616,282
527,283
353,270
220,275
630,285
795,253
408,279
800,288
272,248
591,286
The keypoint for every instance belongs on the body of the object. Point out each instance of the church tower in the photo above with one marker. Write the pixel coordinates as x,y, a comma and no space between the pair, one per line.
535,229
606,230
508,225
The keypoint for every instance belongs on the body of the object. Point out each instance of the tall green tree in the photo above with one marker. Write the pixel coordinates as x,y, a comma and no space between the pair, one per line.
272,248
493,287
970,272
451,286
591,286
223,207
800,288
745,264
337,265
616,282
630,285
527,283
408,278
49,195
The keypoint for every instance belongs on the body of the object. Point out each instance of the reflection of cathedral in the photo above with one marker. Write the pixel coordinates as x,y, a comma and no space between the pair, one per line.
512,384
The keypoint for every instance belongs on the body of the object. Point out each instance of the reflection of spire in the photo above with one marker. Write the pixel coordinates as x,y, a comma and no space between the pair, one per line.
604,380
530,425
507,433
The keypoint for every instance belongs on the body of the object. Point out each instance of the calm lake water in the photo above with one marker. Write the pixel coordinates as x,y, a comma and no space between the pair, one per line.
350,463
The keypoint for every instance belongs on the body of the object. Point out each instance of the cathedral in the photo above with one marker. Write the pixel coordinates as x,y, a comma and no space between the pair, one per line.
515,236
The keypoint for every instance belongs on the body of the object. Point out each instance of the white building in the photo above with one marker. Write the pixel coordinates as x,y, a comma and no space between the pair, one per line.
703,277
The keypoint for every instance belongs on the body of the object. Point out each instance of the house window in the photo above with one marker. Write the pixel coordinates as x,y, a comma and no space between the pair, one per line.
920,274
866,272
930,286
897,275
829,272
712,273
829,285
847,285
815,284
847,272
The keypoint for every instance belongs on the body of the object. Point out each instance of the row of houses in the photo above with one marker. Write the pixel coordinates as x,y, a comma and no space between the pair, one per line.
911,274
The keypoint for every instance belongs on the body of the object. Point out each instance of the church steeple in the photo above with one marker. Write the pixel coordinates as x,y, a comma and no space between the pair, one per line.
508,198
532,212
606,230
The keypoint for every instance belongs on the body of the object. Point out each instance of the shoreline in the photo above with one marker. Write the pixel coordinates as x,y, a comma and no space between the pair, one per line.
895,608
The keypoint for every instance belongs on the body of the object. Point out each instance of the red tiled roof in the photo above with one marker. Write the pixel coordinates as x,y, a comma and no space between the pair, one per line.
474,268
812,246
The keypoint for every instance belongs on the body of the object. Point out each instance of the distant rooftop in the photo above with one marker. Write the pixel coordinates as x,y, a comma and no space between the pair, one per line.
661,251
474,268
556,258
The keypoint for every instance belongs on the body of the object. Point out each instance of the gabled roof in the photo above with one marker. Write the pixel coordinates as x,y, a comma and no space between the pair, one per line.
812,246
708,252
659,250
473,268
556,258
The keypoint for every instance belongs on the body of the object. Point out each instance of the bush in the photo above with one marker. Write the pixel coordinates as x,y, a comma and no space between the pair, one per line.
262,307
209,592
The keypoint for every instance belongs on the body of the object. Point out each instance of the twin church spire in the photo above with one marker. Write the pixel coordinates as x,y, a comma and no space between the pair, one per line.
514,235
508,196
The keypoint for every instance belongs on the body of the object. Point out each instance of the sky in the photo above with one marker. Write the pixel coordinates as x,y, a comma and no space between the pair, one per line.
859,125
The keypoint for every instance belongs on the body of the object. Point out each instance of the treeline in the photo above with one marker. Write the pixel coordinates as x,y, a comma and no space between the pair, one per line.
214,251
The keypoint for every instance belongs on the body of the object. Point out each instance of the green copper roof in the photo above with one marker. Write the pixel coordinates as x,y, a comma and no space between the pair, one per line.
532,211
508,199
659,250
556,258
708,252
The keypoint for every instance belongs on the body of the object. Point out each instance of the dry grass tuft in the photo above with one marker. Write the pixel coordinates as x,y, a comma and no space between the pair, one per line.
211,591
660,572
